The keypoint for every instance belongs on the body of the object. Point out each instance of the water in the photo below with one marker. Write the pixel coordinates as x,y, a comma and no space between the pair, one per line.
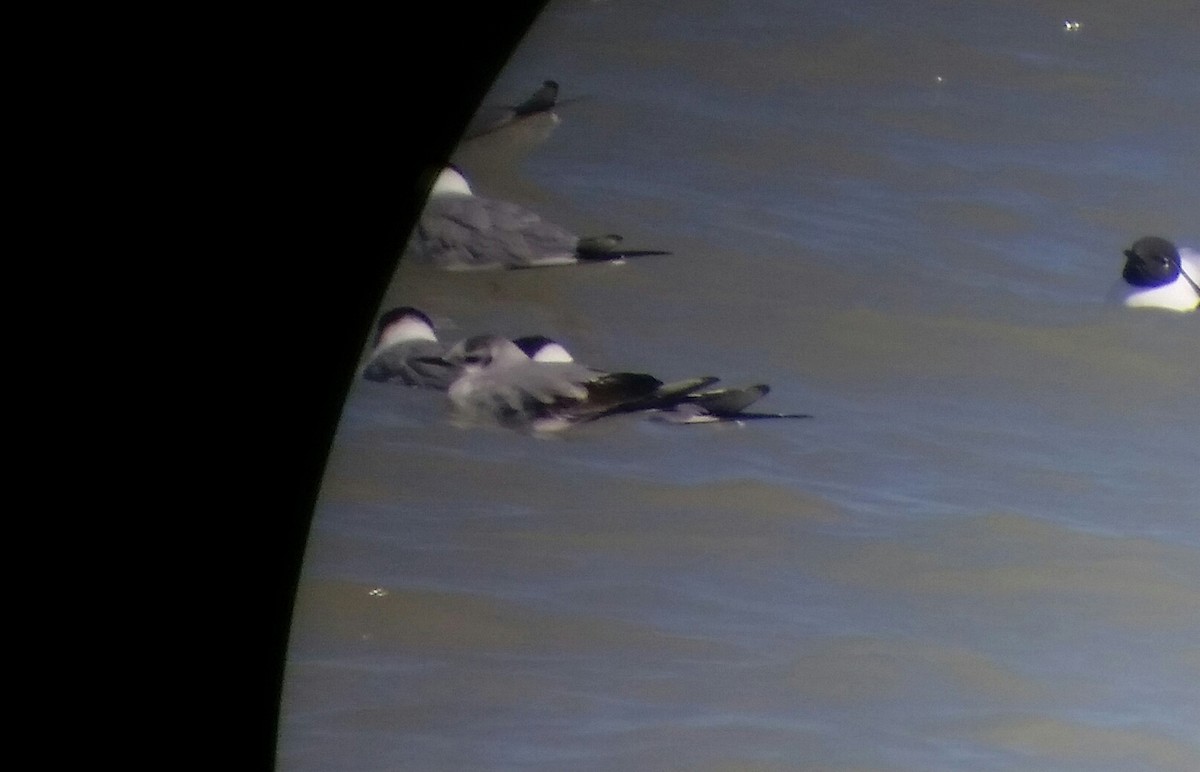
984,550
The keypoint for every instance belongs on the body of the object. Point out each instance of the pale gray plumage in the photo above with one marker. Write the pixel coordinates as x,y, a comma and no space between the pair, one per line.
471,232
499,382
682,402
460,231
407,352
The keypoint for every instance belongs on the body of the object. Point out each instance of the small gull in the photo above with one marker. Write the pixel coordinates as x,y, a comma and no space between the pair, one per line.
683,402
460,231
491,119
1159,275
498,382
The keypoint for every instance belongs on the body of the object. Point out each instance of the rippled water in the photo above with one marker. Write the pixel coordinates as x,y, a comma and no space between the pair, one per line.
984,550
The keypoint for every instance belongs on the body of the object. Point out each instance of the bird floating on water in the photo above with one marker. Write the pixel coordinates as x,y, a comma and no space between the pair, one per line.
543,101
682,402
460,231
500,383
407,351
1157,274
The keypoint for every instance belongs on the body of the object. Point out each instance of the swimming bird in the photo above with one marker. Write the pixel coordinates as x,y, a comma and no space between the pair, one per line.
459,231
1159,275
407,351
682,402
540,101
489,119
498,382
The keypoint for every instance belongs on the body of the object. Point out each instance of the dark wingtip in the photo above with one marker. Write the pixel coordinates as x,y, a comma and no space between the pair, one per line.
436,361
607,248
644,252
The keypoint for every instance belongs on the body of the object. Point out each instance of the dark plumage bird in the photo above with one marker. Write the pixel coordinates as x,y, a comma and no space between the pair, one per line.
490,119
540,101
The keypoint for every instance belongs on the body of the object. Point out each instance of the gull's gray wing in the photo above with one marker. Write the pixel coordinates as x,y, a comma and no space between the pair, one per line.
725,401
533,391
412,363
663,397
472,232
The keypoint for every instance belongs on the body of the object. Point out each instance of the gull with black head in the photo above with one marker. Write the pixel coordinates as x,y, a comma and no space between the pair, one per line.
1157,274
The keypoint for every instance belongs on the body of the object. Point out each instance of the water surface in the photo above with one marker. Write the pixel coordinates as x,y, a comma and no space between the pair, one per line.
984,550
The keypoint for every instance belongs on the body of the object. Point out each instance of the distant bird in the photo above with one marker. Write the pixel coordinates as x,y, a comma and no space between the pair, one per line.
540,101
459,231
682,402
499,383
408,352
489,119
1158,275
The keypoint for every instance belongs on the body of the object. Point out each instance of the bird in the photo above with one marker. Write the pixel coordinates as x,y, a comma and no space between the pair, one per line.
498,382
407,351
489,119
1157,274
682,402
540,101
460,231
